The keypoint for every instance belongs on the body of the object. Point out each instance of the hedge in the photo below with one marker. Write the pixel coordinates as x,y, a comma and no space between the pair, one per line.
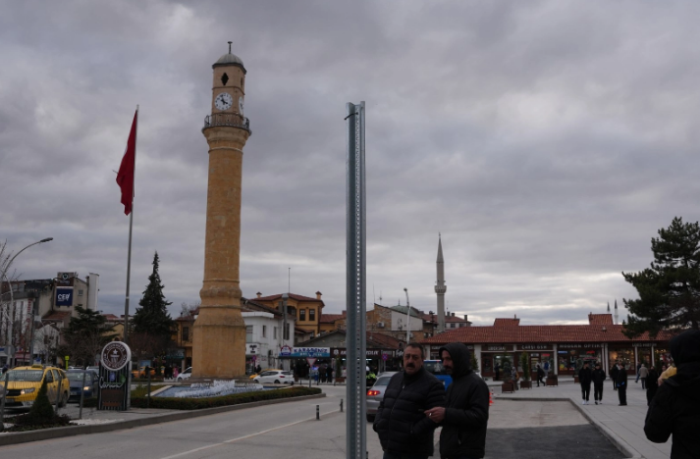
172,403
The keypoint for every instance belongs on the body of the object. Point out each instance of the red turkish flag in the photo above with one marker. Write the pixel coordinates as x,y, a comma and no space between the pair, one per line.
125,177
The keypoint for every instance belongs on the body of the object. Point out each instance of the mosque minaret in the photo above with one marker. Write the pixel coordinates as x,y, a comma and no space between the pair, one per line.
440,287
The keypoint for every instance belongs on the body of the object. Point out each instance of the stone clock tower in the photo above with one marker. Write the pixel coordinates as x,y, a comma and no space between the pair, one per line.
219,331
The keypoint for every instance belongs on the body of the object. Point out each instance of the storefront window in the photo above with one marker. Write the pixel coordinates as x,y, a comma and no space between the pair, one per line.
572,360
626,355
661,357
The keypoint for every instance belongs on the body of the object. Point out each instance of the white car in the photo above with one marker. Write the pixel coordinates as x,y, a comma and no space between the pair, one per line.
275,376
185,374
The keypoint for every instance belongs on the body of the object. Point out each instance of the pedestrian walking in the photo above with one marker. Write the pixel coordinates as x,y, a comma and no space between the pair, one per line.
652,384
465,416
540,375
598,377
405,432
639,366
613,374
585,376
329,374
621,384
643,374
546,369
322,373
175,372
497,369
675,410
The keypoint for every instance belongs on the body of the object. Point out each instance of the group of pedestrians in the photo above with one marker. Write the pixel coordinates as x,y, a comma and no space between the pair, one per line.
415,403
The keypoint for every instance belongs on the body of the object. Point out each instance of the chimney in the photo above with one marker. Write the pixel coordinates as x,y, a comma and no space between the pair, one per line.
345,313
259,295
318,295
453,314
466,317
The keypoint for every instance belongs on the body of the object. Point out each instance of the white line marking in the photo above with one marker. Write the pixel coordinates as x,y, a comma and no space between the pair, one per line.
233,440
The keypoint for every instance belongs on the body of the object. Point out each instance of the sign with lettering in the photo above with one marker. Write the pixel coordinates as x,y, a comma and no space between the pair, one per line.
64,296
644,344
285,351
580,346
497,347
251,349
306,352
370,353
535,347
114,377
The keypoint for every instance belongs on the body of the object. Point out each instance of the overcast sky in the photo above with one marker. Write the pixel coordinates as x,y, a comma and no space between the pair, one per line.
548,141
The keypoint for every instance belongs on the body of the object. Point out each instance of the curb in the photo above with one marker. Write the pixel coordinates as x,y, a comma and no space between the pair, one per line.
63,432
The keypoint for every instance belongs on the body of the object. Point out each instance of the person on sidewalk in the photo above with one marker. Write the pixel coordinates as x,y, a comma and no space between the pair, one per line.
540,375
598,379
585,376
643,374
464,418
652,384
676,407
405,432
621,383
613,374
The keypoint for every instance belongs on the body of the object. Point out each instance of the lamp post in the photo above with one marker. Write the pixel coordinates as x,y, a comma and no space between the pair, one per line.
4,274
408,318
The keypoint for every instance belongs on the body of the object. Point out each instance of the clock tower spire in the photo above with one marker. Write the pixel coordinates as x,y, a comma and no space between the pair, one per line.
219,331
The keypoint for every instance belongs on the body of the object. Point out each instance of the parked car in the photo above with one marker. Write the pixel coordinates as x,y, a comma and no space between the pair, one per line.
141,373
275,376
24,384
375,394
184,375
75,378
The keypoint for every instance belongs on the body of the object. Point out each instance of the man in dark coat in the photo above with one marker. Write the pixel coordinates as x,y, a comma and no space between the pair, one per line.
676,407
598,378
585,376
621,384
613,374
652,384
540,375
404,429
466,413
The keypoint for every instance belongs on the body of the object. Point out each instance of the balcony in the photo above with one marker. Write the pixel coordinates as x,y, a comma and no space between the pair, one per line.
226,119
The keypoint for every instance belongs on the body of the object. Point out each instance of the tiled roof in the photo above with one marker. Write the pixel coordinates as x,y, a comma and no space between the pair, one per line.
57,315
506,322
600,319
112,318
505,333
293,296
330,318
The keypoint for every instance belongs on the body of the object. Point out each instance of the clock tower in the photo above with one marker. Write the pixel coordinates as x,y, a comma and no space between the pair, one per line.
219,331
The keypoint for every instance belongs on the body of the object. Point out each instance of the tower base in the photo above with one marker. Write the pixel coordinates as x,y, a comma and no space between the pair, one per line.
218,348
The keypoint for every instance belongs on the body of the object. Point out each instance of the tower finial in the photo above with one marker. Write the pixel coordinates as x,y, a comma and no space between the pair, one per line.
229,47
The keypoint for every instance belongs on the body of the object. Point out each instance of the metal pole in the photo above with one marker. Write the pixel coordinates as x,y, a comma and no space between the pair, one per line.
318,416
356,425
9,332
2,402
82,395
128,278
148,378
58,394
408,318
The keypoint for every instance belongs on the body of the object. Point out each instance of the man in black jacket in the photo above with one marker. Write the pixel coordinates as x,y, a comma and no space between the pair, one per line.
676,407
405,432
466,413
621,383
598,379
585,376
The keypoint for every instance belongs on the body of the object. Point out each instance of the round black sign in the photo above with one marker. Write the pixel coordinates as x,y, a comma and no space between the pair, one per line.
115,355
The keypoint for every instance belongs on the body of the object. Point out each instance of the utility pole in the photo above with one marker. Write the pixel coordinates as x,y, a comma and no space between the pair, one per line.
408,318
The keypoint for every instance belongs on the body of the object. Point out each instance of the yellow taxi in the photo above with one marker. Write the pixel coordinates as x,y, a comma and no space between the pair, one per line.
24,383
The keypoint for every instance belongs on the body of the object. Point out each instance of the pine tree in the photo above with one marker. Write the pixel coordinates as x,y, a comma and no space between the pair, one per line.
669,290
86,334
152,318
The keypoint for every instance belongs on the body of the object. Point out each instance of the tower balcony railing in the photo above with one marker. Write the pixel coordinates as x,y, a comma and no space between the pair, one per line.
226,119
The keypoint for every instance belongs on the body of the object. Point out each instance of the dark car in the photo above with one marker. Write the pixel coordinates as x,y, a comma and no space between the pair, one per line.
76,383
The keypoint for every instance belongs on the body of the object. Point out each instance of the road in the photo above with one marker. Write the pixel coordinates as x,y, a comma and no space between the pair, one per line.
290,431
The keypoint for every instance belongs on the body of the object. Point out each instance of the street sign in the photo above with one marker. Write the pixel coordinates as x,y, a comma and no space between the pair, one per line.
311,361
385,357
115,368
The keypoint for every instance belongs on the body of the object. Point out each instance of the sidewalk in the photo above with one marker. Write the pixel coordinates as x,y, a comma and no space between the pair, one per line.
624,425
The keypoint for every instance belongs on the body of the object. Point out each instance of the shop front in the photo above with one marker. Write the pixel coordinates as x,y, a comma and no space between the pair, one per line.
661,356
495,357
538,354
625,354
572,356
378,360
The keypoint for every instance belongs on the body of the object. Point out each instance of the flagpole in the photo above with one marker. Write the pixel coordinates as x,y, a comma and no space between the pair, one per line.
128,258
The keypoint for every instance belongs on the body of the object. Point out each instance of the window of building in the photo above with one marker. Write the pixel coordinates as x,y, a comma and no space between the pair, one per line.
80,293
185,333
312,315
302,315
249,334
274,333
264,331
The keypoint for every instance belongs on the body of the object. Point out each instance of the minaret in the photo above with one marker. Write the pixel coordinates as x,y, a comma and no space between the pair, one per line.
219,331
440,287
615,312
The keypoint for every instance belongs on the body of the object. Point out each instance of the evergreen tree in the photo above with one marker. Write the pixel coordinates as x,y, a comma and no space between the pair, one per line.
669,290
86,335
152,318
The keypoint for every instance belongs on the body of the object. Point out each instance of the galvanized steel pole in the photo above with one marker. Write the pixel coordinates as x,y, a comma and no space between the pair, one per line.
356,424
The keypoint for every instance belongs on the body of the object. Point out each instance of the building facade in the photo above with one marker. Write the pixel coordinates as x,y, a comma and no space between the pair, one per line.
306,310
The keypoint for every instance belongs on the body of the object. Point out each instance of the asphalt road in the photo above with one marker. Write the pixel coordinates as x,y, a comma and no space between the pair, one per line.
290,431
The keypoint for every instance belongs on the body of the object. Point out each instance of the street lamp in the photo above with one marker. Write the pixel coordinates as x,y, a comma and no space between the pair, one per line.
4,274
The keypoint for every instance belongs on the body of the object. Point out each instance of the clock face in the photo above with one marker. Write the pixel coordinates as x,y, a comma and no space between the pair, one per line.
240,106
223,101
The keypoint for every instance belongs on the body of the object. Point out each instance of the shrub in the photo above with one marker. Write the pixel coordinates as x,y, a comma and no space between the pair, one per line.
40,415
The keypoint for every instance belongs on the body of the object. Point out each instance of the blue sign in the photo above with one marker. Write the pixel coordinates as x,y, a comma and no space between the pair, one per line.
64,296
307,352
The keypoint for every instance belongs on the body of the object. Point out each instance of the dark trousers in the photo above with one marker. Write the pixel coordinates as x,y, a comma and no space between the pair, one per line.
392,455
598,391
622,394
644,383
539,379
586,391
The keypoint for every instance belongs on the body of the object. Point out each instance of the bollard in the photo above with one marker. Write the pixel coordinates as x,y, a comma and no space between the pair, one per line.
341,405
318,416
82,394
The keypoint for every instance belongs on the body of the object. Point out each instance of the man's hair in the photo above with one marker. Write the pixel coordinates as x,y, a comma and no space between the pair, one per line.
416,346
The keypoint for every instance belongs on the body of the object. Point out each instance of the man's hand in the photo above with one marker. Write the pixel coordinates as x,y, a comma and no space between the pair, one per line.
437,414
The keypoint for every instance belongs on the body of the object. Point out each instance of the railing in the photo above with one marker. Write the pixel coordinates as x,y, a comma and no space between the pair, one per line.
227,119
